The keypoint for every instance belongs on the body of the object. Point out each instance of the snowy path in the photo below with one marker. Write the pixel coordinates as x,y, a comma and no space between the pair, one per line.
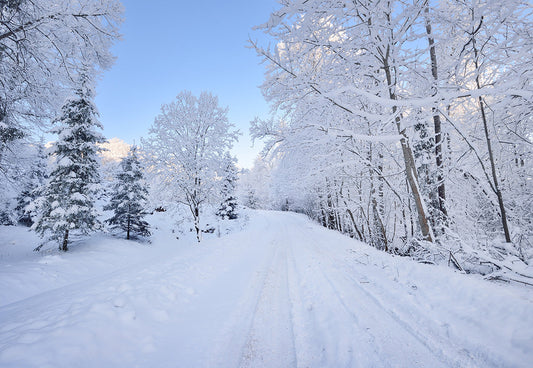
282,293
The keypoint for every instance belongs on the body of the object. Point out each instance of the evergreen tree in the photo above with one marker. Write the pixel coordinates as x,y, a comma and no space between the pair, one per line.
67,200
129,198
228,207
36,176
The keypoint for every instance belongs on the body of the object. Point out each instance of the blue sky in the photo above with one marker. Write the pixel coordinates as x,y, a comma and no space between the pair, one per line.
170,46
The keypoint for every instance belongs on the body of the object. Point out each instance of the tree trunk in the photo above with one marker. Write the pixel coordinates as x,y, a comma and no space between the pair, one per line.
496,186
64,246
441,190
129,226
410,168
497,189
354,224
197,223
380,240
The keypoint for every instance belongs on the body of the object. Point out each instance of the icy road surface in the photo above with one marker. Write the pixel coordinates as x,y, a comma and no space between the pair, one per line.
283,292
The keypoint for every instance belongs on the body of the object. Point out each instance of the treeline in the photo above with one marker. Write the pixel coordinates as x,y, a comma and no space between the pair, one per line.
51,54
407,125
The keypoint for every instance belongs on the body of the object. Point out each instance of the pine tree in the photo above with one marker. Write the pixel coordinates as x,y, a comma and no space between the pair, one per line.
67,200
129,198
36,177
228,207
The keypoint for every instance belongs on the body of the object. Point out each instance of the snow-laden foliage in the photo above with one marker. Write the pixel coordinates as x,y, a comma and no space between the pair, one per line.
185,151
128,200
228,207
20,170
44,46
34,179
67,200
406,125
254,185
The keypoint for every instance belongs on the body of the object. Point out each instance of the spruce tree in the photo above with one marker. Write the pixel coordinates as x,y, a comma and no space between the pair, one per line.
129,198
67,201
228,207
36,176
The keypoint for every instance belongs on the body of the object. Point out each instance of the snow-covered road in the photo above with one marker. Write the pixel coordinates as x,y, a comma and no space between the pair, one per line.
284,292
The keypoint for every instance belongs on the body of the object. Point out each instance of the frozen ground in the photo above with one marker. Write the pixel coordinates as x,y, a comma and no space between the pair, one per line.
283,292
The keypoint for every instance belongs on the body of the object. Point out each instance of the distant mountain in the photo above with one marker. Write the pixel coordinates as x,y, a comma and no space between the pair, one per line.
115,150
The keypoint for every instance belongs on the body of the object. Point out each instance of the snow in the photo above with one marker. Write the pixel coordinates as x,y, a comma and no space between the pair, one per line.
281,292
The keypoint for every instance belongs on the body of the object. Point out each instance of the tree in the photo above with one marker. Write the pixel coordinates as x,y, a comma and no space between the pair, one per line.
228,207
129,198
493,54
44,47
16,163
34,180
67,200
343,69
186,148
397,118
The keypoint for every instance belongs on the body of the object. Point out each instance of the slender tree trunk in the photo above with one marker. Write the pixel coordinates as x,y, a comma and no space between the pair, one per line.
410,168
377,210
194,205
129,225
197,223
441,190
64,246
497,189
354,224
495,182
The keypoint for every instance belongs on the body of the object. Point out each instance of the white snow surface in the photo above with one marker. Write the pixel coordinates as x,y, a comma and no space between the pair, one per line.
281,292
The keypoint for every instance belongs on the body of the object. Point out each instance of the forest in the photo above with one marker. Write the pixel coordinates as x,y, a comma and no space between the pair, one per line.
406,125
387,220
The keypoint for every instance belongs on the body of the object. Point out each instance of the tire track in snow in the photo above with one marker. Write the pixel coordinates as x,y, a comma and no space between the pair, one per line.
339,336
270,339
231,342
310,350
433,337
428,341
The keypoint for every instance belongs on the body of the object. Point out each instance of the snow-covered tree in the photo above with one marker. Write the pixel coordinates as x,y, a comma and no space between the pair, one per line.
404,123
228,183
254,185
186,149
33,182
44,46
128,199
16,165
67,200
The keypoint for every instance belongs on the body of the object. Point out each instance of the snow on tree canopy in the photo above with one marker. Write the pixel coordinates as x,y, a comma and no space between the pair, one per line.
67,200
186,147
128,200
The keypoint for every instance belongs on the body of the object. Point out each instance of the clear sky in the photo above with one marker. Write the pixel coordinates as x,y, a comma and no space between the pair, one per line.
170,46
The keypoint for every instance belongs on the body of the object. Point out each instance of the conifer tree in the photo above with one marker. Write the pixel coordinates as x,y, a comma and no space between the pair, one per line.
228,207
129,198
36,176
67,200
